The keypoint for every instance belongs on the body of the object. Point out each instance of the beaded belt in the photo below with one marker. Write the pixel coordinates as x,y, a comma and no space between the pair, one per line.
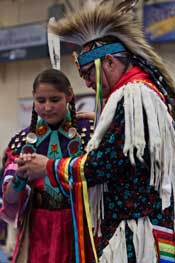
43,200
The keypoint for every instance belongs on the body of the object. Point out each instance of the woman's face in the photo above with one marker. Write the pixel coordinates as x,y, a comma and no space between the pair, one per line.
50,104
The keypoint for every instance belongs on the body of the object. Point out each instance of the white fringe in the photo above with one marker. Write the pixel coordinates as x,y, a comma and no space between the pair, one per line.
143,240
105,120
97,206
137,99
116,250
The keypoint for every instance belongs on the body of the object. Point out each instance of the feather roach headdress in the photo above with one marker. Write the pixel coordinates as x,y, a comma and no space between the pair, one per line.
98,19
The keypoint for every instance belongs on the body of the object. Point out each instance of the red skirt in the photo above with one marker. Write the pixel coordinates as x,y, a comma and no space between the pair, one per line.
51,236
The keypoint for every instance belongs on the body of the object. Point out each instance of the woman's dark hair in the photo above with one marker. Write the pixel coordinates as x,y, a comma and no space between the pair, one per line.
59,80
55,77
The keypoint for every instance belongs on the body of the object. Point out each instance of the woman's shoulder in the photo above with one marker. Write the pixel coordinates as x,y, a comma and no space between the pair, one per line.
85,121
18,140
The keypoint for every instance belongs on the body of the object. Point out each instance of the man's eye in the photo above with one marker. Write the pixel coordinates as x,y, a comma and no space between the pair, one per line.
86,75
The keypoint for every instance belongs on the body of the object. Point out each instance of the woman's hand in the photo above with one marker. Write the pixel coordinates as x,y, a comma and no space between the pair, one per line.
31,166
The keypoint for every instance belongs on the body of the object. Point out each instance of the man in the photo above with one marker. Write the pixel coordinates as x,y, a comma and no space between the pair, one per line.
129,167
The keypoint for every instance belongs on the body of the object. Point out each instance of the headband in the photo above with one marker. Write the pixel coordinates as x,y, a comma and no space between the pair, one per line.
99,52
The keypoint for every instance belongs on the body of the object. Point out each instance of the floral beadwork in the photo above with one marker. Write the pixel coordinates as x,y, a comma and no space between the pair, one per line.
54,147
28,148
41,130
66,125
74,147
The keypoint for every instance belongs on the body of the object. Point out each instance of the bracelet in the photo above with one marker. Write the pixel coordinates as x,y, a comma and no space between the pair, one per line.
18,183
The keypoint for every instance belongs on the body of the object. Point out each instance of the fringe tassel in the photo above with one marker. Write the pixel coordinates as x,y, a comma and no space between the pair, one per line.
105,120
143,241
96,204
116,250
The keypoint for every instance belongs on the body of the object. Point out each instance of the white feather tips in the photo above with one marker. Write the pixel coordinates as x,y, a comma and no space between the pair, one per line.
54,46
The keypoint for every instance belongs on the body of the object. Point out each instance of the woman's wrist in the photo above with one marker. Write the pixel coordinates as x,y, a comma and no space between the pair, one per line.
18,183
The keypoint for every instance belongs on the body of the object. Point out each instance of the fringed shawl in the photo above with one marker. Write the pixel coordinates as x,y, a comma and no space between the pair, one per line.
139,98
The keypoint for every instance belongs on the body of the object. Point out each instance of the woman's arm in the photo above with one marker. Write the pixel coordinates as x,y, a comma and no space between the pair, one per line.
15,195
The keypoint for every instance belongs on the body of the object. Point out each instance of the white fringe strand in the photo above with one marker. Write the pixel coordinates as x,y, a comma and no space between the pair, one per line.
143,240
116,250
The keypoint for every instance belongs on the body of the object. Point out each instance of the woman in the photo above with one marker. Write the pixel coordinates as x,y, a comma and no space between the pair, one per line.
42,212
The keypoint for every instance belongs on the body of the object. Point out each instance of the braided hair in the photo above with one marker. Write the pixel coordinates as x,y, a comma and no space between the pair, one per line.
59,80
72,110
33,120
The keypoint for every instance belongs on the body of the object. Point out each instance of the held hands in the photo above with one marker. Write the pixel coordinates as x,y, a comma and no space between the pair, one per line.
31,166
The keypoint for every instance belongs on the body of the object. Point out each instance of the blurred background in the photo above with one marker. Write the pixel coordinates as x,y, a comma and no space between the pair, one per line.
24,53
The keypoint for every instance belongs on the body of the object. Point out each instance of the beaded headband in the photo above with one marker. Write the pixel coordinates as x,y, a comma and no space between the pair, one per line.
99,52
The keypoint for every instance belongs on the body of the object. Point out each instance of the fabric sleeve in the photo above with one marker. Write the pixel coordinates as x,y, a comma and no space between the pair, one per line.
12,213
108,161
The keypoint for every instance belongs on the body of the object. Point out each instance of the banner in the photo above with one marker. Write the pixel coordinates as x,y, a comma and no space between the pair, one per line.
159,22
27,41
22,36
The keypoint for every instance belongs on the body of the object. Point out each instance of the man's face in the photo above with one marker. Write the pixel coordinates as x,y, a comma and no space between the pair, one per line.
111,70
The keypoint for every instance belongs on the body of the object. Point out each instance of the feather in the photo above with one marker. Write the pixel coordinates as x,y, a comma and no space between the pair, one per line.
125,6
